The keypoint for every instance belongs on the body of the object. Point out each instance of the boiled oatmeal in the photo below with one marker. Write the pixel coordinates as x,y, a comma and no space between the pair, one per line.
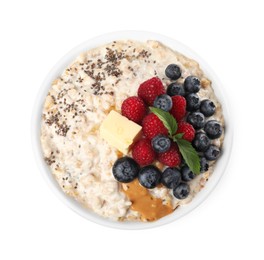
78,102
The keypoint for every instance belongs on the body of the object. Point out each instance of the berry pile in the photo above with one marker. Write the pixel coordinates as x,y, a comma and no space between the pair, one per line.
158,143
197,116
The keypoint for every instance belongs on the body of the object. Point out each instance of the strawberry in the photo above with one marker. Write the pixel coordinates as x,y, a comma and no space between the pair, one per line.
134,109
178,107
172,157
187,130
152,126
142,152
150,89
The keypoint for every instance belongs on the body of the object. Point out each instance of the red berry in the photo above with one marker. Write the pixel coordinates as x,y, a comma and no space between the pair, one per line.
172,157
178,107
152,126
142,152
187,129
134,109
150,89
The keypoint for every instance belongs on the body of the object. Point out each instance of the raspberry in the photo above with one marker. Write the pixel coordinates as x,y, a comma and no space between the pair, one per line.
187,129
150,89
178,107
142,152
172,157
152,126
134,109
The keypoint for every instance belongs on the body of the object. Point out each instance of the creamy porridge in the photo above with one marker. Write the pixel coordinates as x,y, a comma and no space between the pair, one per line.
78,101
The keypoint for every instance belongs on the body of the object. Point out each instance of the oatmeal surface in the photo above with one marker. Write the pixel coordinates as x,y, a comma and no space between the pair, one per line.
79,100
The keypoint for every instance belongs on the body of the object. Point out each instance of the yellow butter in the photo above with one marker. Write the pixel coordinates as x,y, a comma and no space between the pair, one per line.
119,132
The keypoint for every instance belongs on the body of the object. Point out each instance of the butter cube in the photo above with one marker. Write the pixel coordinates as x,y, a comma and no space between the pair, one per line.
119,131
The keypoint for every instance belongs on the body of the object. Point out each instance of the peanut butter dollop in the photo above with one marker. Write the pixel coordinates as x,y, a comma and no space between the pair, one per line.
149,207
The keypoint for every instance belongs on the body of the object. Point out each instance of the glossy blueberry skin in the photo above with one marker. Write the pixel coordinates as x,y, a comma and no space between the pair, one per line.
213,129
187,174
181,191
192,84
163,102
125,169
193,102
207,107
204,165
161,143
171,177
175,89
201,142
149,176
212,153
173,71
196,119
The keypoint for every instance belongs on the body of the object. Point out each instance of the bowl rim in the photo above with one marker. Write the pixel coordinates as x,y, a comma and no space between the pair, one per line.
221,164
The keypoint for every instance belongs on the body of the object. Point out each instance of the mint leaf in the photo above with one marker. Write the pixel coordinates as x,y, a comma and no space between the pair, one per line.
167,119
189,155
177,136
187,151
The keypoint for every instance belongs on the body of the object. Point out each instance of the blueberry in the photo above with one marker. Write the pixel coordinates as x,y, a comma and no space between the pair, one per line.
207,107
201,142
171,177
204,164
213,129
173,71
175,89
181,191
161,143
187,174
212,153
196,119
193,102
163,102
192,84
125,169
149,176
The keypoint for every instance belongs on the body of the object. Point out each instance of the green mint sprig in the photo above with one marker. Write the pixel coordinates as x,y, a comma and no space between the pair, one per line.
167,119
186,149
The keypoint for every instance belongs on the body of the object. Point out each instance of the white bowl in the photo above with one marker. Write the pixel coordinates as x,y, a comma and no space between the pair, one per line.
141,36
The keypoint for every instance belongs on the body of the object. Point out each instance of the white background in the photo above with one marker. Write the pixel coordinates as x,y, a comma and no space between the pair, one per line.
34,224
